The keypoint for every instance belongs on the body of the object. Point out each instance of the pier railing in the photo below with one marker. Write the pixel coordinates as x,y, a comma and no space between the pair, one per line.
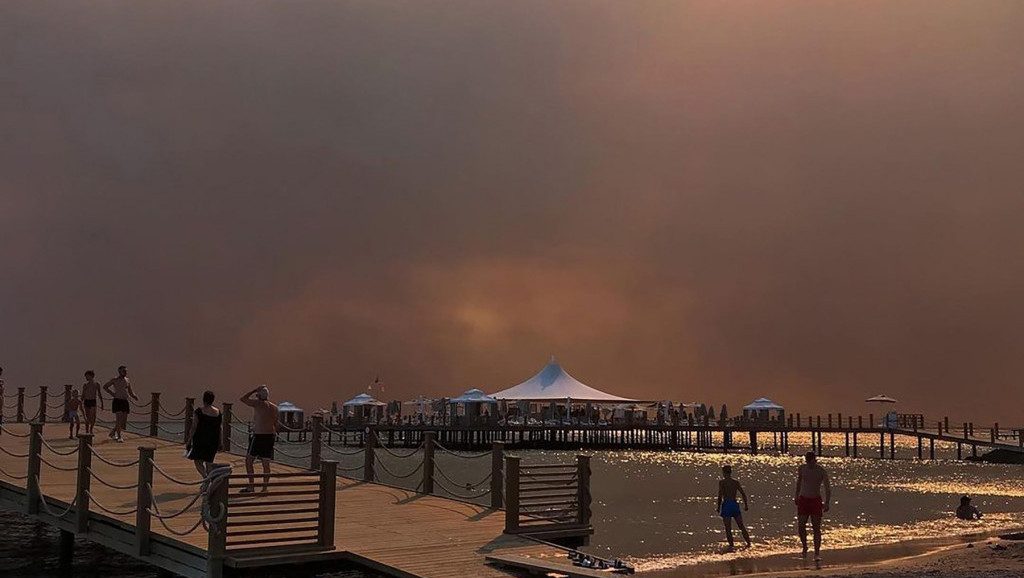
548,499
235,522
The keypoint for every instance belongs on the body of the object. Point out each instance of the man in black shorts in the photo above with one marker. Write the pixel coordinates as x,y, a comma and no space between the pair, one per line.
264,432
122,390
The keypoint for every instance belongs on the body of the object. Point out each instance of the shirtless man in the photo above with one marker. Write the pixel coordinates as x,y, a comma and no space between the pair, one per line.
264,432
122,390
728,507
808,501
90,395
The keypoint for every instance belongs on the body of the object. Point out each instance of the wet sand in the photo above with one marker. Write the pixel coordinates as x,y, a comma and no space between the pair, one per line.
930,557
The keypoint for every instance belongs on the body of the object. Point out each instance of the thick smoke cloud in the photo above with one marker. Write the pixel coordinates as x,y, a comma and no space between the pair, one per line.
691,200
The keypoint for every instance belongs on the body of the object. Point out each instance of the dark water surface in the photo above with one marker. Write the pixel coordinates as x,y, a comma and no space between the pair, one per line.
31,550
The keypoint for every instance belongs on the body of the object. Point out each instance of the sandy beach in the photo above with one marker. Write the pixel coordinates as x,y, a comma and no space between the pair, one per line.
991,558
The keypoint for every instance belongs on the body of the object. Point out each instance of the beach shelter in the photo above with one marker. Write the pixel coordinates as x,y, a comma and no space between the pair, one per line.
477,407
881,399
763,409
891,419
363,408
552,387
290,415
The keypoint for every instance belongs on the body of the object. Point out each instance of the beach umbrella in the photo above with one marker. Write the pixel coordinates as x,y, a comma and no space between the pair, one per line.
880,399
724,414
711,413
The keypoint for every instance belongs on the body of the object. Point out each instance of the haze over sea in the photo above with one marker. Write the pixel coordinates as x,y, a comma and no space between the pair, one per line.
656,509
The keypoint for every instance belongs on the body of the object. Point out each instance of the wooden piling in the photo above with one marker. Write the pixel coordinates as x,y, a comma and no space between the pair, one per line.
21,405
428,462
42,404
144,500
190,404
217,541
328,502
315,447
35,446
583,498
511,494
497,475
225,442
368,454
67,402
154,414
82,483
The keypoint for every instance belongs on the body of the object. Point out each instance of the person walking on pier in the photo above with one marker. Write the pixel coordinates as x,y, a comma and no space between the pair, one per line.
122,390
809,504
264,433
729,508
203,440
74,407
90,395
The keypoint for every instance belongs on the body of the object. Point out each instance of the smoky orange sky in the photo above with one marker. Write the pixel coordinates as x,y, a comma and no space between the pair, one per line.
699,200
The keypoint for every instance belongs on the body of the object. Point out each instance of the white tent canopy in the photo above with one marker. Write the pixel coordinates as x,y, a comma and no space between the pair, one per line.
763,403
554,384
473,396
363,399
288,407
881,398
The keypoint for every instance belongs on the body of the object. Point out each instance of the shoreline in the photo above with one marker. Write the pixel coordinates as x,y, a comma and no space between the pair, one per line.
851,561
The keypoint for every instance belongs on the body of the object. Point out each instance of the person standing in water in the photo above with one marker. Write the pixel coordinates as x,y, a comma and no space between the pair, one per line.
74,406
264,433
729,508
809,504
90,395
966,511
203,440
120,389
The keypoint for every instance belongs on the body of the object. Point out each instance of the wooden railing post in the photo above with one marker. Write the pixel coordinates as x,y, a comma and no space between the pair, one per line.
67,402
190,405
35,445
511,494
225,442
82,485
497,467
144,500
42,404
428,462
328,502
583,489
21,405
368,454
154,415
217,538
315,448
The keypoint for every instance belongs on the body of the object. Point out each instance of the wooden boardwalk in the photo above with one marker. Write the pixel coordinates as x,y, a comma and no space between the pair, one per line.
395,531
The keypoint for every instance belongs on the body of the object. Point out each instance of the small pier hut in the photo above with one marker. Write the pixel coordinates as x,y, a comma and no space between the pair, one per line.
478,408
763,410
291,415
545,395
362,409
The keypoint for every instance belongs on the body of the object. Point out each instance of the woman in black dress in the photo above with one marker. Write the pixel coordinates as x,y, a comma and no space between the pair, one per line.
204,439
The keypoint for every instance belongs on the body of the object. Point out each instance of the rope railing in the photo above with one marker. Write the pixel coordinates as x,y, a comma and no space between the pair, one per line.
358,468
459,495
173,479
133,412
111,485
12,454
47,445
238,429
12,476
59,405
414,471
42,500
56,467
12,406
170,415
168,431
112,512
33,395
14,434
341,453
293,456
461,456
486,479
137,404
109,462
387,450
156,506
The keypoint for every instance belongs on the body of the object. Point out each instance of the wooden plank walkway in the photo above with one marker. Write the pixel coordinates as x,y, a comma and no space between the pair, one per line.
394,531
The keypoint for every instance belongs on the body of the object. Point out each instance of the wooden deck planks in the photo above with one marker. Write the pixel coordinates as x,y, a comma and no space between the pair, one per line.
393,530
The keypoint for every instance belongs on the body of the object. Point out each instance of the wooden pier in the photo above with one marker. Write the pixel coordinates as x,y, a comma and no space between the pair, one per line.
141,498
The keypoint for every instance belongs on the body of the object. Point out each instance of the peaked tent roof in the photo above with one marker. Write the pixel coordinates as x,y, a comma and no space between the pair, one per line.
763,403
473,396
287,406
363,399
554,384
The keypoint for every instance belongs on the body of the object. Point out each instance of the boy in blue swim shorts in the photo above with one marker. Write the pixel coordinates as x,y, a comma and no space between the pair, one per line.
728,507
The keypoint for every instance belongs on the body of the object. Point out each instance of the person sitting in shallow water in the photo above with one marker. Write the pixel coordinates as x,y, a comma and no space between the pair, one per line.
966,511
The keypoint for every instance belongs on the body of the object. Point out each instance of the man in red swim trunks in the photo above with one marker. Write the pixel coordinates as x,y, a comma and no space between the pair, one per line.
809,504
